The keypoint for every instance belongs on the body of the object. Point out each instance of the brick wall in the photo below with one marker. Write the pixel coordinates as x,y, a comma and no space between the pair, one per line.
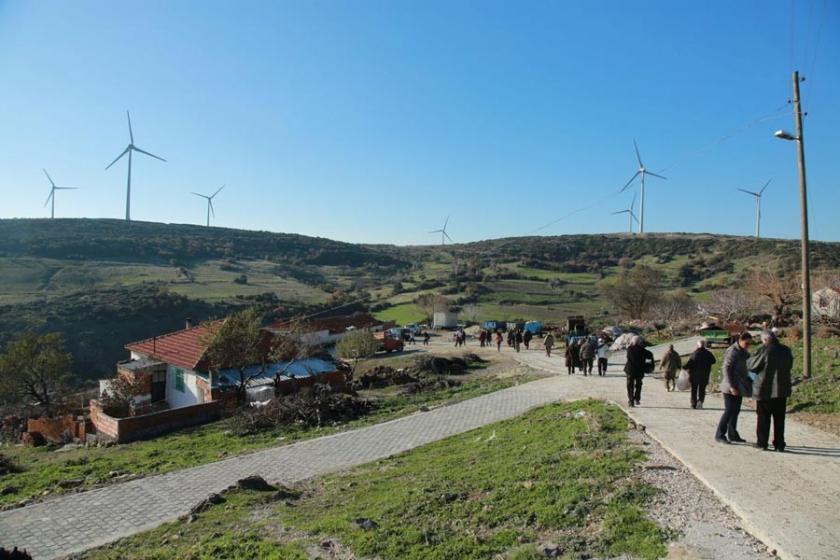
55,429
150,425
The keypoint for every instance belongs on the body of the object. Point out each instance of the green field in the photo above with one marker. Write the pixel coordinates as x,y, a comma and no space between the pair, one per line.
562,474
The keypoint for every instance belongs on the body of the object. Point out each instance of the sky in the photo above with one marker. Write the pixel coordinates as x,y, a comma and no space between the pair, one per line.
372,121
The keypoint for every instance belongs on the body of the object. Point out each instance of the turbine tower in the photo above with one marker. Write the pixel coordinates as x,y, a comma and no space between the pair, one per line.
51,197
210,203
630,214
442,231
757,196
641,171
128,150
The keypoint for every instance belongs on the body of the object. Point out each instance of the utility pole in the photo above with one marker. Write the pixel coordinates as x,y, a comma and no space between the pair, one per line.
806,260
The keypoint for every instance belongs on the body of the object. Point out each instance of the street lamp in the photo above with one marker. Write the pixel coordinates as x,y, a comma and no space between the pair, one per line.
799,138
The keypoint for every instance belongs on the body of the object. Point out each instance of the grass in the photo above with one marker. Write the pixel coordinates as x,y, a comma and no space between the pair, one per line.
560,474
44,469
402,314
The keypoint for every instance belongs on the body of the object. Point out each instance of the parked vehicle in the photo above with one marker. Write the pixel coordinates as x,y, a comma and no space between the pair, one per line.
495,325
414,329
534,327
388,342
576,328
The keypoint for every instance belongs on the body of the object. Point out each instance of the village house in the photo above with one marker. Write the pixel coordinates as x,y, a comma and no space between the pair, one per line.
825,304
326,331
176,387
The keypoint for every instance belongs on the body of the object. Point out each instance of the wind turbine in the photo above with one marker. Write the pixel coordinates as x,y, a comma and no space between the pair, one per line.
128,150
629,211
51,197
642,171
442,231
210,203
757,196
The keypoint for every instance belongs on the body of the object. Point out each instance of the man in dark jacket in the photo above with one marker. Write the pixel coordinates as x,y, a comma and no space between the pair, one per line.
771,364
699,365
734,384
587,356
639,362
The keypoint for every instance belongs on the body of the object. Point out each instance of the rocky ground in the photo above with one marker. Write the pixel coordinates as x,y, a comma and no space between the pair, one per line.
707,529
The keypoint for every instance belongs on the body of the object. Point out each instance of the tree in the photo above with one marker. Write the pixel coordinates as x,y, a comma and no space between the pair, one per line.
430,303
238,343
35,367
674,306
291,346
633,292
731,305
781,290
470,312
118,397
357,346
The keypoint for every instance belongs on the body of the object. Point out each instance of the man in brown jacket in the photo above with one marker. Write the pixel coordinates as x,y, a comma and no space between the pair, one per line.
670,364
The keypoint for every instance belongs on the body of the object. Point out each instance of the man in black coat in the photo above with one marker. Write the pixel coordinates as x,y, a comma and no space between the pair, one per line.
639,362
735,383
772,364
699,366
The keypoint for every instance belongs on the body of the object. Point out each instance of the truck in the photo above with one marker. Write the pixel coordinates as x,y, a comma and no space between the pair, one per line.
388,342
494,326
534,327
575,328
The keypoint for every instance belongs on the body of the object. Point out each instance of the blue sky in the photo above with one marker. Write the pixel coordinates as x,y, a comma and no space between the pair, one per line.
373,120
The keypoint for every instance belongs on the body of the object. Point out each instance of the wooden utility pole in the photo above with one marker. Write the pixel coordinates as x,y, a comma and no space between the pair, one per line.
806,260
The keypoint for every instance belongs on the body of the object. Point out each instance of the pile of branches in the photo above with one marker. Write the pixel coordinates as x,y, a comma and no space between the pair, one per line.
314,406
7,466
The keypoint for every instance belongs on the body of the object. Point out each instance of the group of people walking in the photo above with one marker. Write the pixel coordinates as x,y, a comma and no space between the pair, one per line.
764,376
582,353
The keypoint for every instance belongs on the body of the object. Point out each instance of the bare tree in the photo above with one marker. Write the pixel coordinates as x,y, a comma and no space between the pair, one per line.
674,306
470,312
633,292
35,367
781,290
357,346
731,305
429,303
291,346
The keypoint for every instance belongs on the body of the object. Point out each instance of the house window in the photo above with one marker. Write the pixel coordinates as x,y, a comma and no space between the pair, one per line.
179,380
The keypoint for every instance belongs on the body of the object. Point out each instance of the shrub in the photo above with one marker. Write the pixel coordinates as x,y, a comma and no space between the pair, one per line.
794,333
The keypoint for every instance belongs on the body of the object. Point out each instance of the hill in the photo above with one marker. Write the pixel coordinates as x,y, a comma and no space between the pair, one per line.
106,282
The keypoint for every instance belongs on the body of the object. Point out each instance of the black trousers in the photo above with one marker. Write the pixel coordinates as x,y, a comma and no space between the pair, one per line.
634,388
588,364
728,425
698,392
602,366
771,409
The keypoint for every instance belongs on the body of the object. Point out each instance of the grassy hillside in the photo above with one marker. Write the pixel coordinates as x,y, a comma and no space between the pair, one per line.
107,282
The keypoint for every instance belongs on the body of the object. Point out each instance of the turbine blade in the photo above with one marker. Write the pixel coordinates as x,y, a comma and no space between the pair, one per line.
52,192
445,223
201,195
212,210
136,149
130,132
217,192
447,236
118,157
620,212
761,192
634,217
66,188
436,231
655,175
748,192
638,157
633,178
633,204
48,177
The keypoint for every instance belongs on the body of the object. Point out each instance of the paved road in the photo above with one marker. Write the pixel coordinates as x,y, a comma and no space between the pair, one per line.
790,501
76,522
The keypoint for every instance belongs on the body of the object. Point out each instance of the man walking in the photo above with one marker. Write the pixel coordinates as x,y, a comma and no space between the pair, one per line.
587,356
699,366
734,384
526,338
548,343
639,361
602,357
772,387
670,363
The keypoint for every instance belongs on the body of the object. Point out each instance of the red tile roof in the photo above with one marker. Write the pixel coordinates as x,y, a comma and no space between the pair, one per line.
334,325
184,348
